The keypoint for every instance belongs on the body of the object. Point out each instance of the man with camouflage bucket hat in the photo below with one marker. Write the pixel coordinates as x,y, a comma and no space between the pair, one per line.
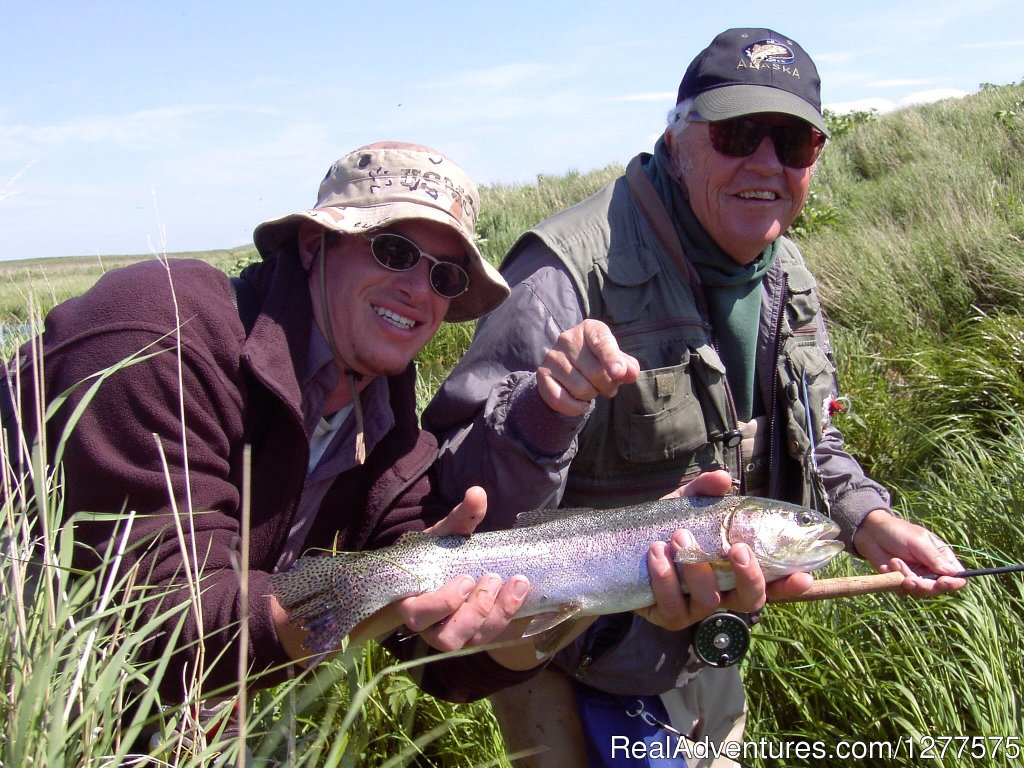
307,358
389,182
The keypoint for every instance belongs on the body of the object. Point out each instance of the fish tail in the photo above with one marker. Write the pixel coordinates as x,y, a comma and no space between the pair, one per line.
328,596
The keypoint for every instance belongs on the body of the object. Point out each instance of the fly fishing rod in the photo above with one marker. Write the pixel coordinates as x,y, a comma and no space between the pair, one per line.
851,586
723,638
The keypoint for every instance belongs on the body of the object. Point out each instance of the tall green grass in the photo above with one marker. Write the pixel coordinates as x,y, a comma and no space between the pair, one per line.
923,282
930,206
915,232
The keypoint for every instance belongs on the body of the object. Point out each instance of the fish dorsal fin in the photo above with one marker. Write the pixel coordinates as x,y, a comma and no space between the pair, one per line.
538,516
413,537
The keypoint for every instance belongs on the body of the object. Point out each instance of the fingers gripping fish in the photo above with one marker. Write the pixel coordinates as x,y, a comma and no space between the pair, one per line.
580,562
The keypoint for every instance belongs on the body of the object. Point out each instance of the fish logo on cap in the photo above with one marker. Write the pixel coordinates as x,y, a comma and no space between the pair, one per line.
769,51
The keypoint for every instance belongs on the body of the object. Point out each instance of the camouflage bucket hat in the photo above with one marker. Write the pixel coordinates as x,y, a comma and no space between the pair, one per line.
386,182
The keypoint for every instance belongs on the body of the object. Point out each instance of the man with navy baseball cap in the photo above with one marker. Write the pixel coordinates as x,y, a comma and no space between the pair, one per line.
665,337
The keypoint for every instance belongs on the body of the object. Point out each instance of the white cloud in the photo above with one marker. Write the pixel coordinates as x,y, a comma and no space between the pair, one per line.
875,103
837,58
500,78
880,105
991,45
142,128
927,97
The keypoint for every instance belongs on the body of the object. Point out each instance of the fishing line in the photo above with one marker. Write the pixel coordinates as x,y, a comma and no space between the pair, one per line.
983,571
723,638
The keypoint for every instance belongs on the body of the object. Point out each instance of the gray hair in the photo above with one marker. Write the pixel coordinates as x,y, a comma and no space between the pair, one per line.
680,110
677,125
677,117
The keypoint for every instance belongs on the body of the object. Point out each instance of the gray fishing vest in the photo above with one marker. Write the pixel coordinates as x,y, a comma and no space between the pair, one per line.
678,419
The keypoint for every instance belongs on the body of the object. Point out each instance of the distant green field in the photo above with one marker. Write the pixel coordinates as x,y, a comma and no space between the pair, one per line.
41,283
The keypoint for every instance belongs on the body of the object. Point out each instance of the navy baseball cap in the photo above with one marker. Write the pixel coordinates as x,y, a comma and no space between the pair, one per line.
747,71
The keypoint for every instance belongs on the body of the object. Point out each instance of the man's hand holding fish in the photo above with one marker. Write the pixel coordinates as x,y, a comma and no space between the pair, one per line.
675,610
463,612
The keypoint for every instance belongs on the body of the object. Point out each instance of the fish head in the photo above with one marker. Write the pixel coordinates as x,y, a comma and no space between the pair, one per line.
786,538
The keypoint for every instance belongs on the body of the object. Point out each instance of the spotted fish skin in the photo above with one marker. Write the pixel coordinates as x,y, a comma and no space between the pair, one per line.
580,562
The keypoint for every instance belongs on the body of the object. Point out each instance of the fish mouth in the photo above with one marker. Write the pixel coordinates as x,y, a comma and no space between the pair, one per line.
825,544
821,552
819,546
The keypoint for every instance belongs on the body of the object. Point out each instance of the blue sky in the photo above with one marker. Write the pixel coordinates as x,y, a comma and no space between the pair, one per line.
133,127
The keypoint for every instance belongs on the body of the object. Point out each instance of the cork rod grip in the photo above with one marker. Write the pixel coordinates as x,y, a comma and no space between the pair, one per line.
848,586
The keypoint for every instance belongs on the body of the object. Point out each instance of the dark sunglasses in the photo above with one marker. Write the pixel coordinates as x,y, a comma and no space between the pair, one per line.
399,254
797,145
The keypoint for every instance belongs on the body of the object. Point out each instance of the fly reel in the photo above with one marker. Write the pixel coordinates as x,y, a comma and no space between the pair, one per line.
722,639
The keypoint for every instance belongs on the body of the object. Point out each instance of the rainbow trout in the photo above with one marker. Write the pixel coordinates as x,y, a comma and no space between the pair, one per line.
580,562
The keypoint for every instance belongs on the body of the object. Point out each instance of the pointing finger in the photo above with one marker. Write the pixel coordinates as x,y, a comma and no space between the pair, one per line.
584,362
465,516
613,365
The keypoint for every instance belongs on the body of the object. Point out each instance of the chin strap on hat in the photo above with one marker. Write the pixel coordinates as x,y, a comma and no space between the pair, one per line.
352,376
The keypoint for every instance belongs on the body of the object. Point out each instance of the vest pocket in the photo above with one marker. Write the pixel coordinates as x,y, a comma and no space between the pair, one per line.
659,417
626,285
802,306
807,379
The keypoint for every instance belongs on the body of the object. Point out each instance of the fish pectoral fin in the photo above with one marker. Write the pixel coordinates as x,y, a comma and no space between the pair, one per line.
554,639
551,620
551,630
692,555
718,566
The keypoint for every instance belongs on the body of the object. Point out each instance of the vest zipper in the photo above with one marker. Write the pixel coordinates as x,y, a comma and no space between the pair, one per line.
730,418
773,443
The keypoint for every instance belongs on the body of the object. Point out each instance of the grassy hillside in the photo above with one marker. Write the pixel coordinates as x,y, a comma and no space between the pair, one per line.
915,231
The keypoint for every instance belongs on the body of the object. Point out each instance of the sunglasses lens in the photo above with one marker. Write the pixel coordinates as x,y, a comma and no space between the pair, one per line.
399,254
395,252
796,146
739,137
449,280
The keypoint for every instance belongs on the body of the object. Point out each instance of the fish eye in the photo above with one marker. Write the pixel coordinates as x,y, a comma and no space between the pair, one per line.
805,518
